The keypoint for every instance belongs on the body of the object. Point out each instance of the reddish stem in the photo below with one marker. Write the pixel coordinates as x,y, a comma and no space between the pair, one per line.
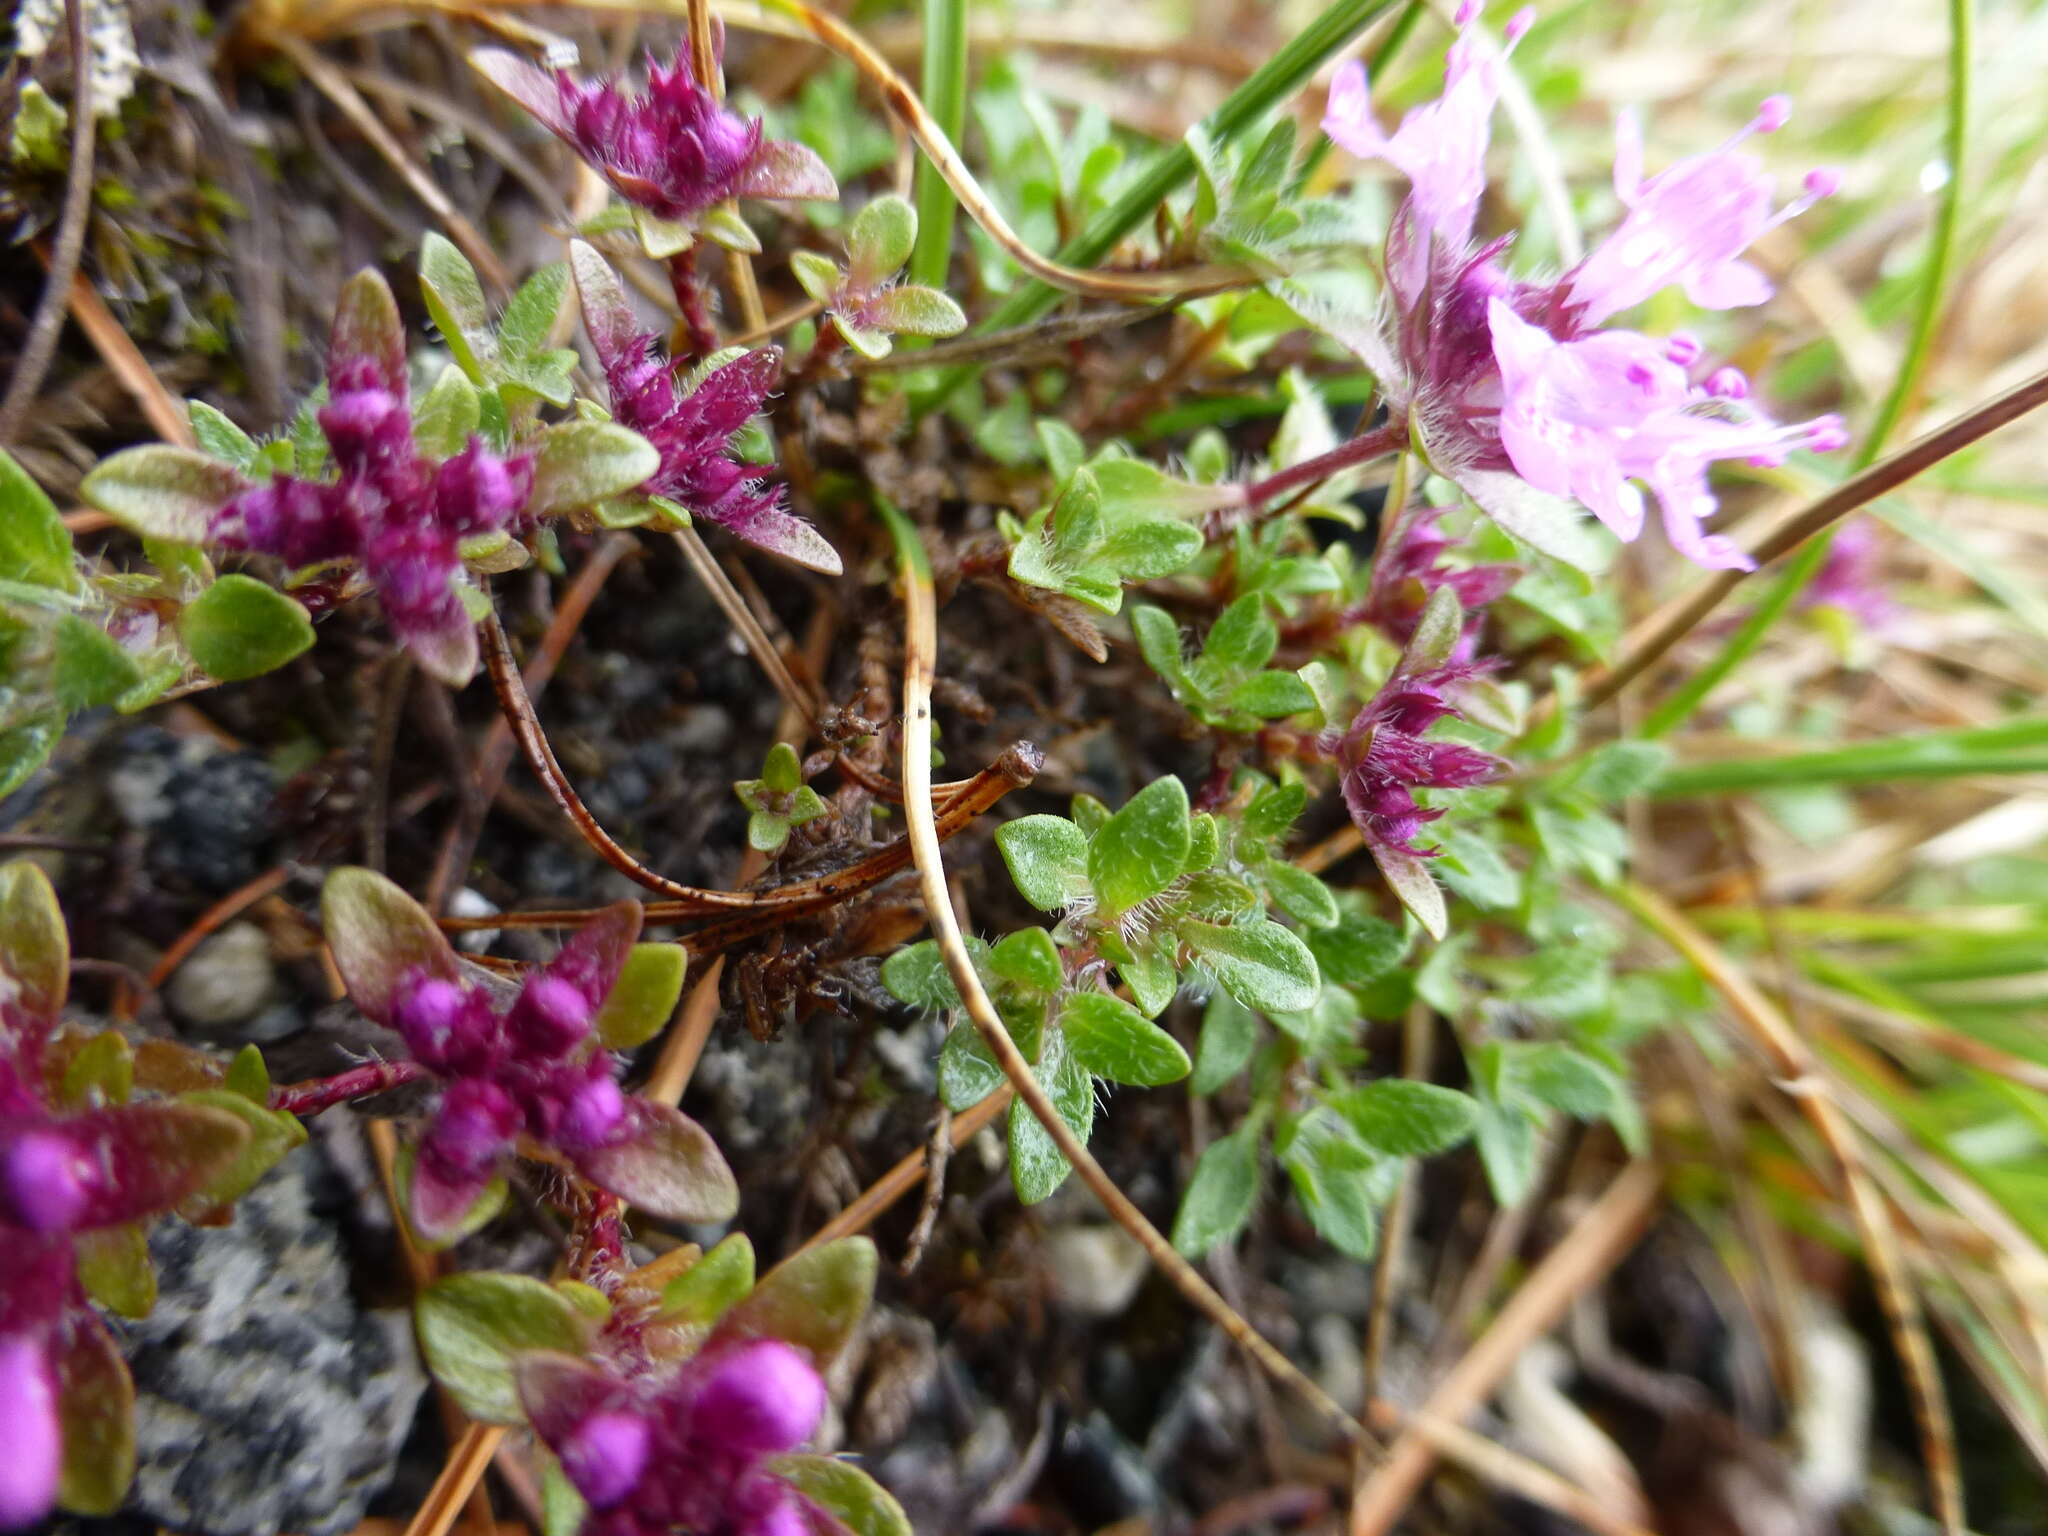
1391,438
317,1093
696,309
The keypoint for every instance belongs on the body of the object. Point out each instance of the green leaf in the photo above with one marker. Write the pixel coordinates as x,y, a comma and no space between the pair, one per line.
1159,643
26,747
1219,1198
1403,1118
1436,633
644,997
249,1076
447,415
917,975
270,1137
35,547
879,239
367,326
240,628
1621,769
1047,858
1471,866
377,933
1272,695
1230,1033
114,1268
967,1073
782,772
101,1073
96,1413
88,667
163,492
1242,638
1332,1178
1273,811
814,1300
1565,1079
455,299
1300,895
1508,1143
1030,959
1112,1039
473,1327
818,276
1142,848
712,1286
1148,970
1551,525
913,310
1415,886
1260,963
530,317
1149,549
562,1509
35,948
582,462
855,1502
1037,1166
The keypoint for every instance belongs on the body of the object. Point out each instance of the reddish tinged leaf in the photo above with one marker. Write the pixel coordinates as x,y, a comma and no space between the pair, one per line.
532,88
447,652
145,1158
366,330
270,1137
35,949
559,1391
442,1209
782,168
595,954
607,313
96,1403
914,311
162,492
1413,883
35,1282
114,1268
666,1164
474,1329
378,934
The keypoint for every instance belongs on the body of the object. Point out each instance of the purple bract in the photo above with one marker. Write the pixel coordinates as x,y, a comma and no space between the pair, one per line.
1385,757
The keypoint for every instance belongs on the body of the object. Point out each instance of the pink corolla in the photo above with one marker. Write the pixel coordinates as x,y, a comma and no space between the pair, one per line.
1688,225
693,429
674,150
396,512
689,1451
1589,417
1497,373
1411,567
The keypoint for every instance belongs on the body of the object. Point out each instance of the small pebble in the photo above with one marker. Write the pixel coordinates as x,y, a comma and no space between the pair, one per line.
227,981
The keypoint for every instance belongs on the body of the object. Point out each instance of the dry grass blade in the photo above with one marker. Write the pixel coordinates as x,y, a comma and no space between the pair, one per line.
1803,1080
1597,1242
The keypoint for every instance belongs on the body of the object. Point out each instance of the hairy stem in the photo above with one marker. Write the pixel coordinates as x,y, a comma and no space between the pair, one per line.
315,1094
1376,443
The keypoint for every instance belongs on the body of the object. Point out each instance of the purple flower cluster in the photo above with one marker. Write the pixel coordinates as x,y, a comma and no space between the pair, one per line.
1385,757
1497,373
693,432
400,515
532,1068
675,151
1410,567
688,1452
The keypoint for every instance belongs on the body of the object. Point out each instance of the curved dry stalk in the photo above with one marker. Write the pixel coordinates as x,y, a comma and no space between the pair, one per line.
1804,1080
337,88
920,655
1598,1242
1664,629
32,363
804,701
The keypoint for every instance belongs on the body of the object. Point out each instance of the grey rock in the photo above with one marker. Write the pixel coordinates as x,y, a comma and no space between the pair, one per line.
206,810
227,981
1096,1269
267,1400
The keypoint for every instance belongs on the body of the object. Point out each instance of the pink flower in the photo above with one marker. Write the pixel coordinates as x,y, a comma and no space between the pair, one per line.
1385,757
674,151
35,1446
1410,567
1851,577
1585,418
1689,224
1441,145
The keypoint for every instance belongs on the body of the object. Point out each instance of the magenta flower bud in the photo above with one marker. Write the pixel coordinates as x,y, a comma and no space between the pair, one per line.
1773,113
1519,24
477,491
762,1399
365,423
1822,183
434,1015
1683,348
551,1016
35,1441
781,1514
1825,434
605,1455
45,1181
1466,14
593,1112
477,1124
1728,384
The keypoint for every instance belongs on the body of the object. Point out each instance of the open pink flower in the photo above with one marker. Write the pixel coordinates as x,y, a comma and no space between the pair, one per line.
1689,225
1587,418
674,150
